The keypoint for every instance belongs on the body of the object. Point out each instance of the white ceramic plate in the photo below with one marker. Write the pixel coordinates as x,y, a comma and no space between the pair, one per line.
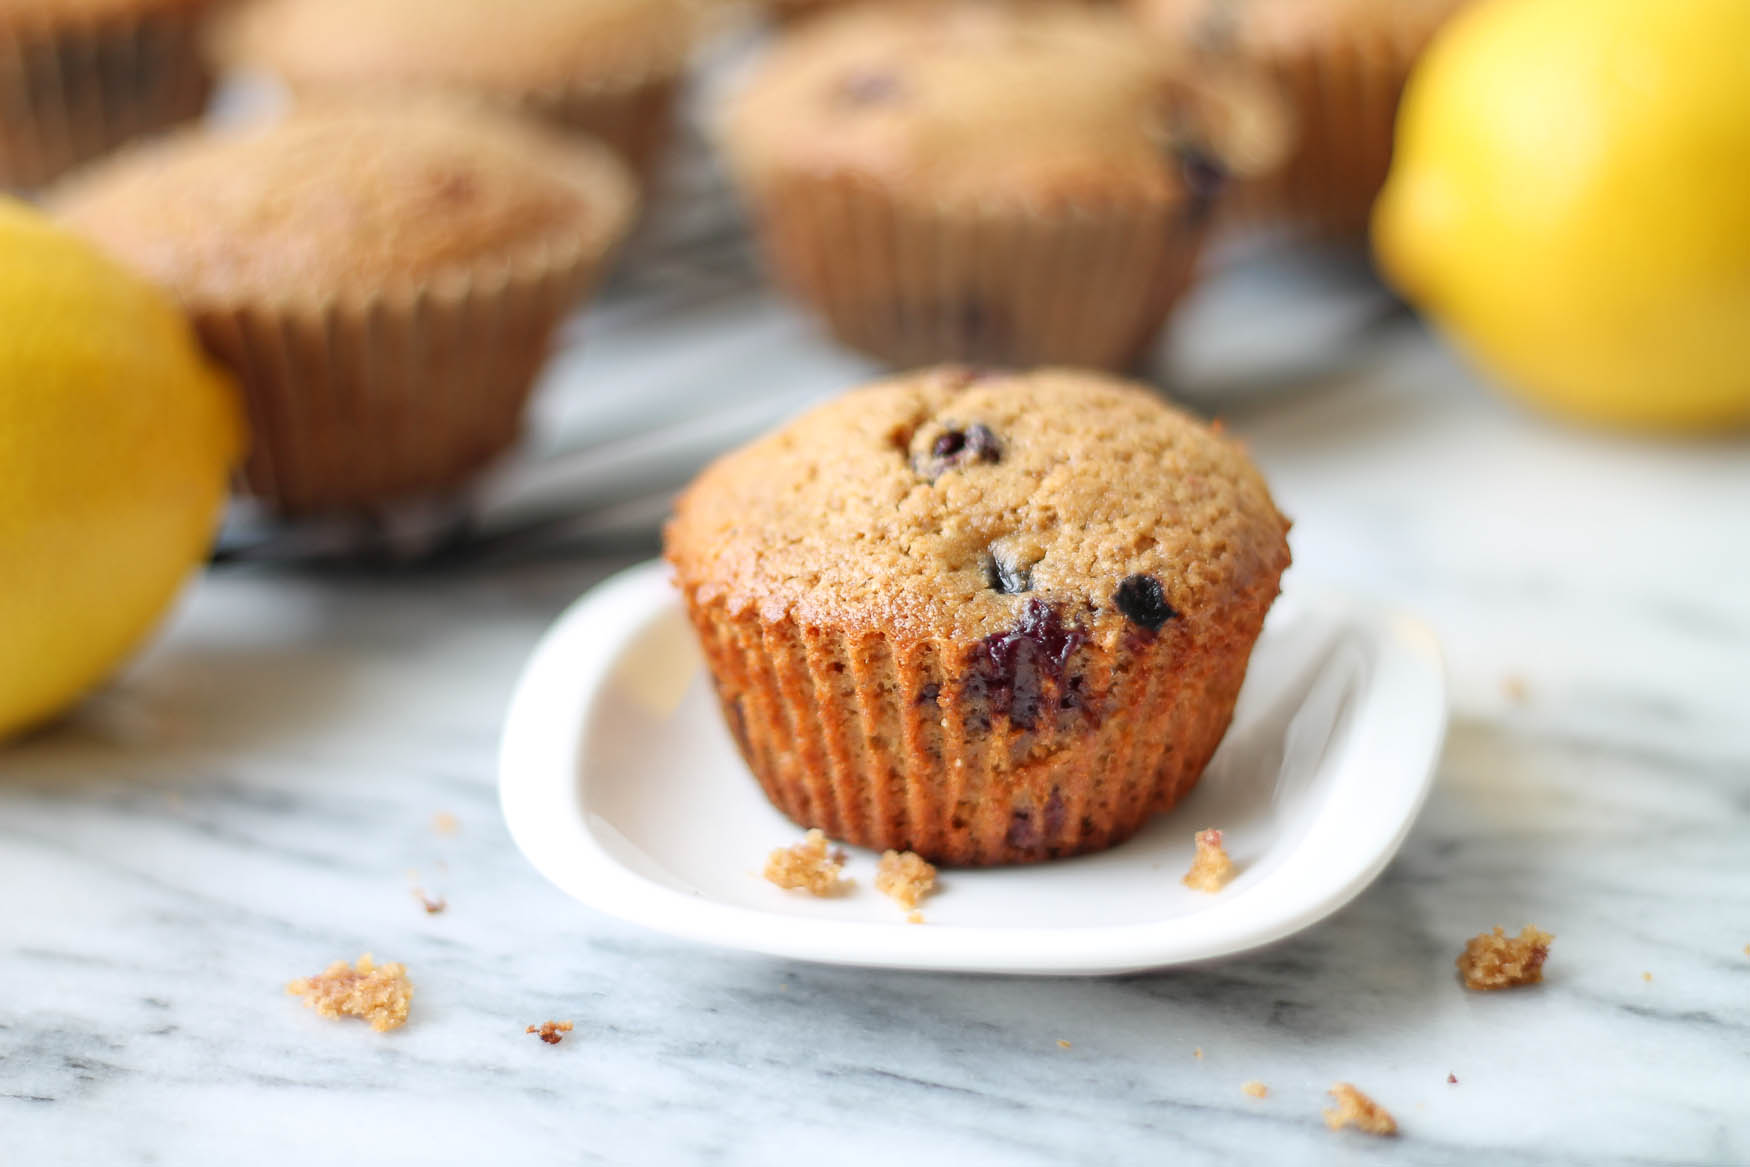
621,785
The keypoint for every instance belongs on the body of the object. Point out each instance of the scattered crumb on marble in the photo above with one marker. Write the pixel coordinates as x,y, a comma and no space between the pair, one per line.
445,823
1210,867
1515,688
1494,960
914,917
1359,1111
1256,1089
1197,1053
432,906
551,1032
904,877
1062,1044
378,993
1647,976
1452,1079
806,866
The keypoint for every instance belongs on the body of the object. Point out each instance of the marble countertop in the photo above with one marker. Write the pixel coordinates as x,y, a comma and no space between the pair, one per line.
261,794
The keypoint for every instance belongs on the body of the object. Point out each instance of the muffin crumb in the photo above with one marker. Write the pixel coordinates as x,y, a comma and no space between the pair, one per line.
1256,1089
1494,960
914,917
1211,869
905,877
1452,1079
1648,977
1197,1052
806,866
551,1032
377,993
445,823
1062,1044
1516,689
432,906
1359,1111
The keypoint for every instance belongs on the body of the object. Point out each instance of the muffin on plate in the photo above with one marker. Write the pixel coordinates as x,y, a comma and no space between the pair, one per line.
80,77
1341,66
1007,184
608,67
384,280
985,618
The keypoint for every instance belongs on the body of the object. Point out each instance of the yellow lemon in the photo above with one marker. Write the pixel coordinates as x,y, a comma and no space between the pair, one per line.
1570,201
116,440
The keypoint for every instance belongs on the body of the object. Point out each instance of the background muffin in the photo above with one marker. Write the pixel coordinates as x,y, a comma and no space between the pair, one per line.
80,77
1007,184
1340,64
987,619
383,280
608,67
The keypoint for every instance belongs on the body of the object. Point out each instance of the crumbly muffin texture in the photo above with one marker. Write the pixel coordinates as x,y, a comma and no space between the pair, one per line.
1355,1109
1495,960
961,105
37,13
347,201
1211,868
378,993
957,504
506,45
1285,27
904,877
808,866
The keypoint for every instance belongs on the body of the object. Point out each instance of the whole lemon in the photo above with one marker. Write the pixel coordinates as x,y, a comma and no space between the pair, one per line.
116,439
1570,200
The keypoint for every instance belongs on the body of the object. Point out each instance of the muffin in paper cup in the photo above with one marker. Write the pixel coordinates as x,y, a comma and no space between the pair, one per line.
383,279
1339,65
610,68
78,79
1002,184
988,618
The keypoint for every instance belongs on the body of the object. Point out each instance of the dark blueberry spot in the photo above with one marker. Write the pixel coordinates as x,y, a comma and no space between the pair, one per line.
1022,834
955,447
1012,670
1142,602
949,444
928,694
1204,177
1006,577
869,87
1054,814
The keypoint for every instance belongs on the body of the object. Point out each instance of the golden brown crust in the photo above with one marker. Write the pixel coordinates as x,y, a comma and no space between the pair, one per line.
511,47
378,993
1494,960
1357,1110
988,621
348,203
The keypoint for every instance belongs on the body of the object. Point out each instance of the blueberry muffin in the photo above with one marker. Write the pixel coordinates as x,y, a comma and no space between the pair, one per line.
1340,65
80,77
610,68
382,279
1005,184
986,618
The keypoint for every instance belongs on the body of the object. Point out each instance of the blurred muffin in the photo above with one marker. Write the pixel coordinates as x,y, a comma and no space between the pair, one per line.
989,619
383,280
1005,184
608,67
80,77
1341,65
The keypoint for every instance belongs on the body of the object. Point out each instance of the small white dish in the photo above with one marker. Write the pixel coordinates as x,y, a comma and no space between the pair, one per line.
620,784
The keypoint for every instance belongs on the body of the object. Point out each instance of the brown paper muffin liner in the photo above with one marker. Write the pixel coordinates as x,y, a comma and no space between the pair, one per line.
1345,101
926,747
357,405
80,88
1084,286
636,118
